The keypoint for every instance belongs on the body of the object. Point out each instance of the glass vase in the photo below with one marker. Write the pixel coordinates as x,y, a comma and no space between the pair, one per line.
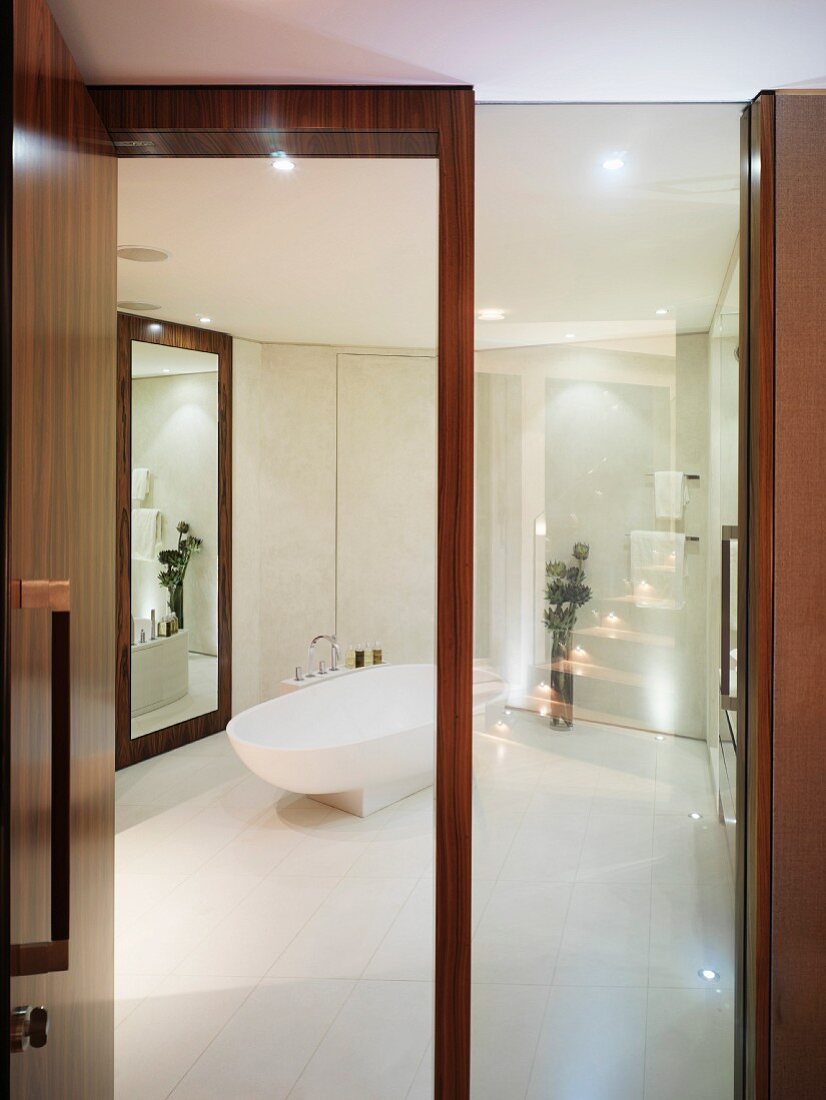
562,680
176,604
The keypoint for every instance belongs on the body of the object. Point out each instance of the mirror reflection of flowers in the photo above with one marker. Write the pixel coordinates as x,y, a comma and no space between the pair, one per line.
566,590
175,564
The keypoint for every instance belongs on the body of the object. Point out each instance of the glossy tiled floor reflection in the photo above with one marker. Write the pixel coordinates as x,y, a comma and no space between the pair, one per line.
268,946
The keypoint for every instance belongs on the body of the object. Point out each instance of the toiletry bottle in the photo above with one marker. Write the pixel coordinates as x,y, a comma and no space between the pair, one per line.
143,635
368,656
376,653
350,657
360,656
153,631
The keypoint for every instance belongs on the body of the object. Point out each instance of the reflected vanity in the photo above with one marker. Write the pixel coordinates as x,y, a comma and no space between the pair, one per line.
173,454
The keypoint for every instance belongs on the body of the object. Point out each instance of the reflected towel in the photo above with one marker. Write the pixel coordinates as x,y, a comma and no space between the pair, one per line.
670,494
146,533
140,483
658,569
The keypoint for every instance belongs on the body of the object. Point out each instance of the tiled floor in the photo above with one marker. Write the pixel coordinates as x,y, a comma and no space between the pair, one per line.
201,698
269,946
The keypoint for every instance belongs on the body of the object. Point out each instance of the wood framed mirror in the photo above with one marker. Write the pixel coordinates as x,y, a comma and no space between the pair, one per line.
174,655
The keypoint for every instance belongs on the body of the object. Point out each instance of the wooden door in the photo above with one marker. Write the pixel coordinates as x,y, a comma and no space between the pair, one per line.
60,556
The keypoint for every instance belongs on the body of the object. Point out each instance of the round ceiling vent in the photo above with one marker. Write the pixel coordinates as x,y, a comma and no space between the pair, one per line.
142,254
138,307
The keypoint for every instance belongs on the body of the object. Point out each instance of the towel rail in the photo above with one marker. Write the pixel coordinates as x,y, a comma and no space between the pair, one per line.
688,538
688,477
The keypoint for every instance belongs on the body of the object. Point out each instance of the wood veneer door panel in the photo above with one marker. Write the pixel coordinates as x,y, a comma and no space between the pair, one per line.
61,526
798,959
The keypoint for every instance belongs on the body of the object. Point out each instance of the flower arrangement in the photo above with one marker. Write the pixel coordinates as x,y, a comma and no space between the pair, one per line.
175,563
565,593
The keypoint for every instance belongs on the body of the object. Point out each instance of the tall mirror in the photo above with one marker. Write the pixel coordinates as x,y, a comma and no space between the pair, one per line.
172,645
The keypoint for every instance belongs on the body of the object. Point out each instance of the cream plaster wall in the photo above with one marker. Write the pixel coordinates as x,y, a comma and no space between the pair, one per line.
175,435
326,438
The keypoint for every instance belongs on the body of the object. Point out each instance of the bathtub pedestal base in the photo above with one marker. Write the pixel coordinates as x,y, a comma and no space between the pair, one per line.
368,800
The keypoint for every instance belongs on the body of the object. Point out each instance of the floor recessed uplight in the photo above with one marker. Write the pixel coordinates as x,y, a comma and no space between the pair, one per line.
613,164
695,816
570,335
282,163
708,975
205,320
661,312
508,711
166,370
660,737
491,315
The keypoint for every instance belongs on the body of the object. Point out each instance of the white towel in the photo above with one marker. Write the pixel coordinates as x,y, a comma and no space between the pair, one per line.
658,569
140,483
146,533
670,494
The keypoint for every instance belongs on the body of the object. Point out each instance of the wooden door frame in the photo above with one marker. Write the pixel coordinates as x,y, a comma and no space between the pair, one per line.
351,121
170,334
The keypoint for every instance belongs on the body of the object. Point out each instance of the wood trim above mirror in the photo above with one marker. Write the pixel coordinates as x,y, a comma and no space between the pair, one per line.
170,334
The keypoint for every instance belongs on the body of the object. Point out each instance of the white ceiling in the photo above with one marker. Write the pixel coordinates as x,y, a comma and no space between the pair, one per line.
589,50
156,360
336,252
344,251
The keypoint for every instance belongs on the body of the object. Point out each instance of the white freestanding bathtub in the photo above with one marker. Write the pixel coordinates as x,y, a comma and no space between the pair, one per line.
358,741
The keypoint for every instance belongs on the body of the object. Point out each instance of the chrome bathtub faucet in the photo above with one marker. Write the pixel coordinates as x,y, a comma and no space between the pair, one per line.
335,653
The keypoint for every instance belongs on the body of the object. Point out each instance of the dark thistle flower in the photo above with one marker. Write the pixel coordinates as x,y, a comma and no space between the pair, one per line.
581,551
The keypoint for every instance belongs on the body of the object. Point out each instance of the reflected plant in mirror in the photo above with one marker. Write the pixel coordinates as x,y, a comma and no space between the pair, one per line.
175,564
565,593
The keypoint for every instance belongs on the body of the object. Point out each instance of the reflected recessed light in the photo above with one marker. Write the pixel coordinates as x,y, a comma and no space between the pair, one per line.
613,163
142,254
154,327
570,335
491,314
508,711
282,163
708,975
204,320
695,816
166,370
661,312
659,737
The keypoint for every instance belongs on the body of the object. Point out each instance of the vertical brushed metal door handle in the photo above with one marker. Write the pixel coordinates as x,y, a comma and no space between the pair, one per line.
727,700
53,954
29,1028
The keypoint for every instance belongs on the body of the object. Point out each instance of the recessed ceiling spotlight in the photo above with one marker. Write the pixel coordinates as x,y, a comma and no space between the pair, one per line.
204,320
491,315
142,254
570,335
613,163
282,163
708,975
695,816
154,327
138,307
166,370
661,312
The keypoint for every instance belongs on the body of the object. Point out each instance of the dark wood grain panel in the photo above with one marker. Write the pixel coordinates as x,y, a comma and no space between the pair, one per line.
62,494
757,578
798,960
264,143
131,327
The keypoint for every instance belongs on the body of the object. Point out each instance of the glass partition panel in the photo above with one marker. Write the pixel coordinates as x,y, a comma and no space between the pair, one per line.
603,952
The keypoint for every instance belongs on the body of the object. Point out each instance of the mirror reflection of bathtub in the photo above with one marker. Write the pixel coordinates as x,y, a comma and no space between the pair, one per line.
160,671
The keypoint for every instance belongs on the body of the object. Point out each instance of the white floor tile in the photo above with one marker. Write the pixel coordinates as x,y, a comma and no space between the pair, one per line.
692,928
374,1047
690,1045
277,1031
546,852
519,933
592,1046
159,1042
617,848
688,851
341,937
505,1026
605,941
